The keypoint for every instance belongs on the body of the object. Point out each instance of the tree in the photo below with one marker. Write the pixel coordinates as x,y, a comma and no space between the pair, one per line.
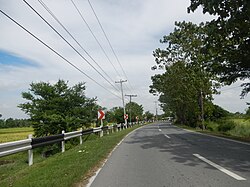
227,39
53,108
148,115
116,115
186,86
134,110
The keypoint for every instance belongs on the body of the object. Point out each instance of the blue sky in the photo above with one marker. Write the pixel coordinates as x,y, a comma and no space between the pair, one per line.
9,59
133,27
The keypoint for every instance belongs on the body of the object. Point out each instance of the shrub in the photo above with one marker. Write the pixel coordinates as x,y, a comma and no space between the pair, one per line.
225,125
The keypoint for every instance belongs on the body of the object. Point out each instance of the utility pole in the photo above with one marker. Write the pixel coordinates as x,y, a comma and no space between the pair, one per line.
130,99
156,110
202,110
124,110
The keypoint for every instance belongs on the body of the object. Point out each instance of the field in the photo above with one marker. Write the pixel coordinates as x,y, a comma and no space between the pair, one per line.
13,134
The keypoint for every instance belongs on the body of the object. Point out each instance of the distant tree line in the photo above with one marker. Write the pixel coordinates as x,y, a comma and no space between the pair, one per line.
10,123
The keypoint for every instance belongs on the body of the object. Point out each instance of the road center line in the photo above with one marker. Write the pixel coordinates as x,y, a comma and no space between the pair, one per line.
166,136
231,174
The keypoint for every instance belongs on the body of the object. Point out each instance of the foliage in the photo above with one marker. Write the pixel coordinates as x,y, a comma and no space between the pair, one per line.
10,123
148,115
226,125
72,165
186,82
135,110
53,108
115,115
227,39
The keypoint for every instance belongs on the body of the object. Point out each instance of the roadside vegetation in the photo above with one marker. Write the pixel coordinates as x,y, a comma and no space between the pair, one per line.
62,169
197,60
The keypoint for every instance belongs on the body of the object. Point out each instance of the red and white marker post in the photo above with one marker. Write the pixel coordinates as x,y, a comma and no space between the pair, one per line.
101,116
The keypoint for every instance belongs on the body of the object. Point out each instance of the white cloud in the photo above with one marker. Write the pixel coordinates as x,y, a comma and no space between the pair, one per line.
134,28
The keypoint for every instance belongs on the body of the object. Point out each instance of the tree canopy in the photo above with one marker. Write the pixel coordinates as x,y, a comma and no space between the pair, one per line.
186,85
227,39
135,110
56,107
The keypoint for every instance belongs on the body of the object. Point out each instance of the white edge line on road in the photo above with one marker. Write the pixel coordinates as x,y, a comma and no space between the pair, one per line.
213,136
166,136
235,176
91,180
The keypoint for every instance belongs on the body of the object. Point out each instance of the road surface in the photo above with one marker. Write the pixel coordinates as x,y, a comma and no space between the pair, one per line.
162,155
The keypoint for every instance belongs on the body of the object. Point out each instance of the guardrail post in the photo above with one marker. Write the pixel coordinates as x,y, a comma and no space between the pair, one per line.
101,133
81,138
63,143
30,153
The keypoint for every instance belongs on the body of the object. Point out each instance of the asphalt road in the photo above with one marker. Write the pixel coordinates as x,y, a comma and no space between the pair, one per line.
161,155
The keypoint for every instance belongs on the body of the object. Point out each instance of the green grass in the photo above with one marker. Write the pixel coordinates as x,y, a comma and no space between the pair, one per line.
238,129
62,169
13,134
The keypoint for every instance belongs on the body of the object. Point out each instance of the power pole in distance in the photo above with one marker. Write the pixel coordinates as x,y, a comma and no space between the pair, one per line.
124,110
130,99
156,110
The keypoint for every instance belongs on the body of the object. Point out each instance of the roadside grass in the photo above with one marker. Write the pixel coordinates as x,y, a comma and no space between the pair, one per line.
238,129
13,134
62,169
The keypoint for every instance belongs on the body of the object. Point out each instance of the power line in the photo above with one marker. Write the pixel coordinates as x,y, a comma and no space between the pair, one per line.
57,20
69,43
54,51
104,52
112,49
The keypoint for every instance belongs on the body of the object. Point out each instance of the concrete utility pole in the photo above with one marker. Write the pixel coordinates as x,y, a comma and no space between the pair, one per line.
124,110
156,110
130,99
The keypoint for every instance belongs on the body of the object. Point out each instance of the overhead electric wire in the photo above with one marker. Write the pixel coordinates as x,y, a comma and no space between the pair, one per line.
57,53
66,30
69,44
112,49
104,52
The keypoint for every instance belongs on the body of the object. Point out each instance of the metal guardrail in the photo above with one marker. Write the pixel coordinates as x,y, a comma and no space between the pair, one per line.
15,147
32,143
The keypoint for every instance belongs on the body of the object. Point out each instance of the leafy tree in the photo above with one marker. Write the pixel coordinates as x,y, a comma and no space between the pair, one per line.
186,82
227,39
53,108
135,110
148,115
116,115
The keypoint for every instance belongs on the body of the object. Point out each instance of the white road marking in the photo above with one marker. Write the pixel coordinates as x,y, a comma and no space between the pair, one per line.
231,174
166,136
160,130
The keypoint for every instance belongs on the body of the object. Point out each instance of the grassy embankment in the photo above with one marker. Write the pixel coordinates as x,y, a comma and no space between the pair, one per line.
238,129
62,169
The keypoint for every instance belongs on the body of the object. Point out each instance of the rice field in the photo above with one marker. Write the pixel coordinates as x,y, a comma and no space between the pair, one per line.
14,134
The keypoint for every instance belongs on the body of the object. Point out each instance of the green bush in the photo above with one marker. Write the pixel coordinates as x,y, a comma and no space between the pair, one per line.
241,131
211,126
226,125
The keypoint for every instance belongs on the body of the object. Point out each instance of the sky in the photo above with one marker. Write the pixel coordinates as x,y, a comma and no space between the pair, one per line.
133,28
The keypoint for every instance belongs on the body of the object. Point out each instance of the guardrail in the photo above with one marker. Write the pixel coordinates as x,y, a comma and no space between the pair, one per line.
32,143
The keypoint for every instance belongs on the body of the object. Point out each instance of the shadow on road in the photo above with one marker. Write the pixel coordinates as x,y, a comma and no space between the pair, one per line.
182,145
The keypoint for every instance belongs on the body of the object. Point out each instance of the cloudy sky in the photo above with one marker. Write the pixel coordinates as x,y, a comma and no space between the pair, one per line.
132,27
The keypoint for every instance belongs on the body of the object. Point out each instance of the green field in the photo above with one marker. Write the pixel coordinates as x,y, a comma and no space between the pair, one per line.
62,169
13,134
